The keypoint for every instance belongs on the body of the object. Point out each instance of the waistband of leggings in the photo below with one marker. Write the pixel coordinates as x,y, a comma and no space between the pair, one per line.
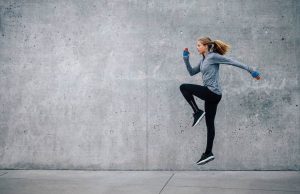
219,95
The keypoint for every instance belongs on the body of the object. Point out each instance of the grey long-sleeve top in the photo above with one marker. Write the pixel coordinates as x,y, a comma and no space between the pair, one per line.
209,67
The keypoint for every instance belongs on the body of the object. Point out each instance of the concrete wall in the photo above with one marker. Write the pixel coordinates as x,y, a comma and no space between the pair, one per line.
95,85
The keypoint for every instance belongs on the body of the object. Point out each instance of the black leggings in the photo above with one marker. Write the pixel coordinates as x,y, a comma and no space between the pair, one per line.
211,102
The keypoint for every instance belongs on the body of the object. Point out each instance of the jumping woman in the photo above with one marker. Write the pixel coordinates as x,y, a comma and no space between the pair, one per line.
212,56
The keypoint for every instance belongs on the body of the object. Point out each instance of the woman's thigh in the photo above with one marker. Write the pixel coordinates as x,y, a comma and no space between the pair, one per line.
197,90
202,92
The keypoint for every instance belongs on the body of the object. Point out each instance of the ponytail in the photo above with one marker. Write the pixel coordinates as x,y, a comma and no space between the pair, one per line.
216,45
221,47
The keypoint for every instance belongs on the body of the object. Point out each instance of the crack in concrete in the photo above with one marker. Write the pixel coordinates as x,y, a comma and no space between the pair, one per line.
167,183
3,173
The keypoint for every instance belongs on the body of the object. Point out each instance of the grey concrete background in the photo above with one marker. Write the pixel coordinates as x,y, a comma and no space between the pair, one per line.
95,85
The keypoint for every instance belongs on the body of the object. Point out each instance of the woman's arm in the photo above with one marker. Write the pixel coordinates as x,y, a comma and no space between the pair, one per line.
217,58
192,71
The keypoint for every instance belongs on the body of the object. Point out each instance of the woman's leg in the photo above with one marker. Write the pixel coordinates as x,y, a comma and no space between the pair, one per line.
210,109
188,90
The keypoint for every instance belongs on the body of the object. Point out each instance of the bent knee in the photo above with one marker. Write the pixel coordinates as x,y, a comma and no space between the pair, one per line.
182,86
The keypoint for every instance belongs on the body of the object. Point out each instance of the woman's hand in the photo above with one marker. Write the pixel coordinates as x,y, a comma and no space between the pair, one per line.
186,53
256,75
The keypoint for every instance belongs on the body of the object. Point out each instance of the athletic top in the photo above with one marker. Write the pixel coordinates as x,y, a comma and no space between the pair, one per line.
209,67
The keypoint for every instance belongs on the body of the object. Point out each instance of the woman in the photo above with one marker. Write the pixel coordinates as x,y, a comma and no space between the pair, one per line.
211,92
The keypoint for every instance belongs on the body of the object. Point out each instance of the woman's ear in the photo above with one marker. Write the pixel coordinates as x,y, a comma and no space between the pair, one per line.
206,46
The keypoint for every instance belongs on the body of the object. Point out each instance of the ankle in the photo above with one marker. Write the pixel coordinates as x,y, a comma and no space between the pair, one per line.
207,152
196,111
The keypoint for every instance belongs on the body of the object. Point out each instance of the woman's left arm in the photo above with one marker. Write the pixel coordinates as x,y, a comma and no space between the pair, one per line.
217,58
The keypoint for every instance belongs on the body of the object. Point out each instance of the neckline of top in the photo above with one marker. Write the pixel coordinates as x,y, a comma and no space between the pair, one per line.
209,52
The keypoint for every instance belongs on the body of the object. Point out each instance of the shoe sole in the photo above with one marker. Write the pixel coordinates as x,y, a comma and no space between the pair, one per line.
206,160
199,119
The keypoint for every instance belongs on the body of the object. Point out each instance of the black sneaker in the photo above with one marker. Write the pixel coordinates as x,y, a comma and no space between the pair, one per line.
197,117
206,158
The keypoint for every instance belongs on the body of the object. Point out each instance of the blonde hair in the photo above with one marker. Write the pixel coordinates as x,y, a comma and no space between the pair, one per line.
218,46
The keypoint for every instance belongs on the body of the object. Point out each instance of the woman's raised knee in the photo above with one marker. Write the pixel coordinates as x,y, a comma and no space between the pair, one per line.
182,87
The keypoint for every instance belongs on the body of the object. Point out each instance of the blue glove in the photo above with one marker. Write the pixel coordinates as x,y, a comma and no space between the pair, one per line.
255,74
186,53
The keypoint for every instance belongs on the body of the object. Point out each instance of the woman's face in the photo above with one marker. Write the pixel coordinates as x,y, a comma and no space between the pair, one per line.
201,48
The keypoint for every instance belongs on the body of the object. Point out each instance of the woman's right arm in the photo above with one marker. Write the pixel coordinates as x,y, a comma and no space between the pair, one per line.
192,71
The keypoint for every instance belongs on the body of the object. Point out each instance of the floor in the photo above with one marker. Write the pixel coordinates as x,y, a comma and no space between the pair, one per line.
148,182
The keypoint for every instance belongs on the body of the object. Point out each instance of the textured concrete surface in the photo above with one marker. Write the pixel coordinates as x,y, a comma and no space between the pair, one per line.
95,84
149,182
